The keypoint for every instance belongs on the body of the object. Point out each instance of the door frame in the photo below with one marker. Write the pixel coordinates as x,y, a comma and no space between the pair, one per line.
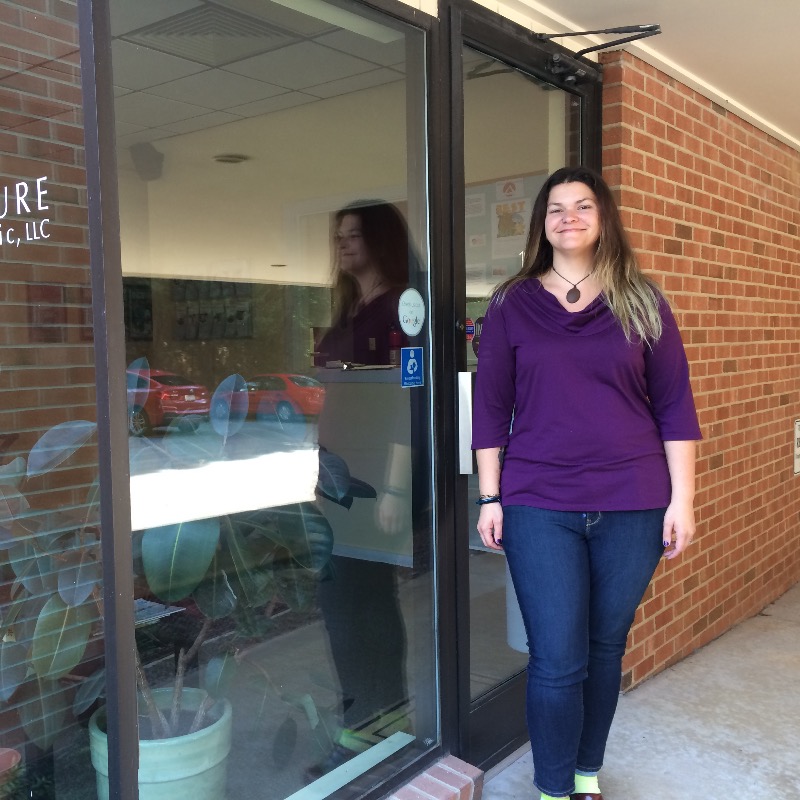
491,728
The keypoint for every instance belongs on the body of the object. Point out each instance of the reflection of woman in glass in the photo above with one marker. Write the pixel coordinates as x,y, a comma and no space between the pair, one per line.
359,602
370,273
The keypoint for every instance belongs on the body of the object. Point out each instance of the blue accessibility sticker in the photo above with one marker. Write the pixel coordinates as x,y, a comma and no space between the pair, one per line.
411,372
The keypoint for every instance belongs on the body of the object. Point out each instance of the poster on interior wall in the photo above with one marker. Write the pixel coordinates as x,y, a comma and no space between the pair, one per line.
474,205
496,228
510,227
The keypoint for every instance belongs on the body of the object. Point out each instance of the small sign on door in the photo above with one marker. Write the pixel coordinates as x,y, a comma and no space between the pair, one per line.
411,373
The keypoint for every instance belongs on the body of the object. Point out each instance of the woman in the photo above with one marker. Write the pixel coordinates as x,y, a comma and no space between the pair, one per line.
585,430
359,600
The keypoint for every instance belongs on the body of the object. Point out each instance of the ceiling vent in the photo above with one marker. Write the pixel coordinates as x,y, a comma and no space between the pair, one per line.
211,35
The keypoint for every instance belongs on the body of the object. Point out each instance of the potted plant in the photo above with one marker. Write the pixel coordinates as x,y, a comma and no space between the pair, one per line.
229,568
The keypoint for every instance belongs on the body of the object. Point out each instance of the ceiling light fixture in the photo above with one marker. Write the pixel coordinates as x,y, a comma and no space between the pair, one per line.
231,158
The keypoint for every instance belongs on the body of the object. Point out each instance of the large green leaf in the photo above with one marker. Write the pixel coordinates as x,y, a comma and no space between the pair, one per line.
244,563
23,614
33,567
137,382
78,576
176,557
303,530
60,639
11,474
214,596
90,510
13,505
219,674
89,691
229,406
57,445
13,668
42,710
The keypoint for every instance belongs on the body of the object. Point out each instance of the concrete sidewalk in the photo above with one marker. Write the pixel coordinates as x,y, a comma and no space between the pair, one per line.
723,724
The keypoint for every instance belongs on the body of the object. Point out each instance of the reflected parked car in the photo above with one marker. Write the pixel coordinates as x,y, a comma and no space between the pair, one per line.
285,395
157,397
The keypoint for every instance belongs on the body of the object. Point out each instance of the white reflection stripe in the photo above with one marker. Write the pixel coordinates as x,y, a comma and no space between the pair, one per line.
335,779
223,487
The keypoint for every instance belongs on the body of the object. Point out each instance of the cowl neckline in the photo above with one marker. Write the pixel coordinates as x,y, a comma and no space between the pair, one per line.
595,318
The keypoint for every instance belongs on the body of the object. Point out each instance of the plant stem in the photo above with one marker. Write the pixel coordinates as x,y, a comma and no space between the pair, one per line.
158,721
199,717
184,658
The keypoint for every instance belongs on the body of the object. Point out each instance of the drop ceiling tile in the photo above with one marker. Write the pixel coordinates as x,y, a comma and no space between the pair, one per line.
138,67
365,80
301,65
127,16
288,100
364,47
201,123
125,128
130,139
151,111
217,89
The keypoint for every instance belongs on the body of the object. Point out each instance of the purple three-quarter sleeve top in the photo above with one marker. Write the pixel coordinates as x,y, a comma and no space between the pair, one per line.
590,409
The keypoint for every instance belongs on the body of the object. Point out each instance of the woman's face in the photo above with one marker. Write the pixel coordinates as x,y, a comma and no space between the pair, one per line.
354,257
572,222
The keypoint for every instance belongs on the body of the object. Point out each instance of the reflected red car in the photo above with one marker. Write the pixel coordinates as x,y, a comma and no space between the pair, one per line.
285,395
157,397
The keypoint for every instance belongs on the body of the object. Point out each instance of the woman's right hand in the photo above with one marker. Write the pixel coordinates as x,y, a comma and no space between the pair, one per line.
490,525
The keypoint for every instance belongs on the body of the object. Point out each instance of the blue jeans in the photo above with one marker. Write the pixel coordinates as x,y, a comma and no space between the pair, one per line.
579,578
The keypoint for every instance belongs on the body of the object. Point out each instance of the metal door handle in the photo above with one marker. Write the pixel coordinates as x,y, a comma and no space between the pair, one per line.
466,458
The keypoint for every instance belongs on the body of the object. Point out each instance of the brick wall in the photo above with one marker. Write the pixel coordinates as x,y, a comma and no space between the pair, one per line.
712,206
46,347
46,352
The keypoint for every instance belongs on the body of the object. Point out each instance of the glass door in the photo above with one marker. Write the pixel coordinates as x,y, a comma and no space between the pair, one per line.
517,129
274,229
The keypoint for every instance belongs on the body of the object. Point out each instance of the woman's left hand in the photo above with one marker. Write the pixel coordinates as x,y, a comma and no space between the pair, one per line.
679,528
392,513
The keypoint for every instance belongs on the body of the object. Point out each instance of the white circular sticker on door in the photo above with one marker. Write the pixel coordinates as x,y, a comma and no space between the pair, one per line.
411,311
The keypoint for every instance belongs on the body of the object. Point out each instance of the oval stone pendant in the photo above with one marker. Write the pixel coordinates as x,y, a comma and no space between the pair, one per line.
573,295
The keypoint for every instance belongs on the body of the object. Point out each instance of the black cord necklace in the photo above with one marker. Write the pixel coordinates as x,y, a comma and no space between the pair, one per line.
574,294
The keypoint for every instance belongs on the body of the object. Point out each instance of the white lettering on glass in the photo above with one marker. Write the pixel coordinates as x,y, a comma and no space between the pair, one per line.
21,197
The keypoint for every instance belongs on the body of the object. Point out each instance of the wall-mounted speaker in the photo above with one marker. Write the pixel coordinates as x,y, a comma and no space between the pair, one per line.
147,161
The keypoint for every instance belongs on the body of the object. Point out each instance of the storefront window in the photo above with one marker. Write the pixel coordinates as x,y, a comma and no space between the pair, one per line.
51,651
273,213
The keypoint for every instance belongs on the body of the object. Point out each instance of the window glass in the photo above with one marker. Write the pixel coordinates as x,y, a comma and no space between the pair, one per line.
504,167
280,488
52,644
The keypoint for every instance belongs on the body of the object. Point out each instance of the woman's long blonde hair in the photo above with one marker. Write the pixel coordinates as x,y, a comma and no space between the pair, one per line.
632,297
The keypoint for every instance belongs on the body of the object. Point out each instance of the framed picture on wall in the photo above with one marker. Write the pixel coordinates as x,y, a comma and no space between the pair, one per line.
138,299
